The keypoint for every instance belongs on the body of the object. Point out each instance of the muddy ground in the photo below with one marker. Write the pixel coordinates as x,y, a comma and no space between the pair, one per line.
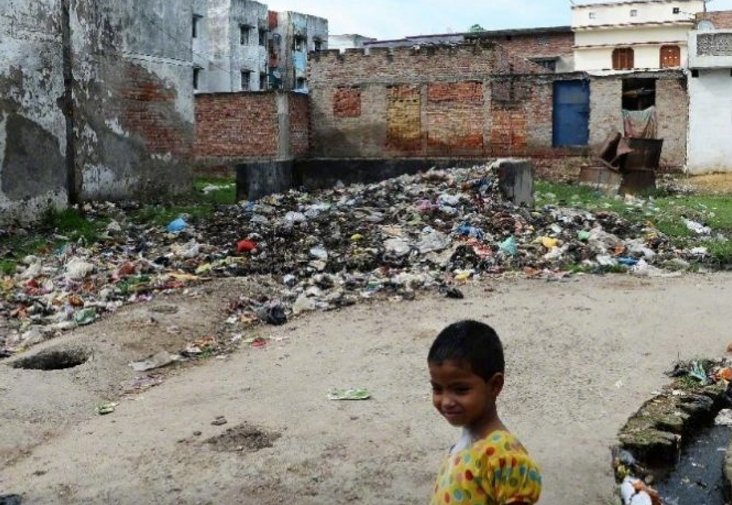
582,356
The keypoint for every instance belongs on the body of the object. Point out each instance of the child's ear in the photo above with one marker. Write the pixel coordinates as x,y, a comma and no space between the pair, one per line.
496,383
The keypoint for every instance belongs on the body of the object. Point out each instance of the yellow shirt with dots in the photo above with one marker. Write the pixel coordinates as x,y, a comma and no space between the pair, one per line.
495,470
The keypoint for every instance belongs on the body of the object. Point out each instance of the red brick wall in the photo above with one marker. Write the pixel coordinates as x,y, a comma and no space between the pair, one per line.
721,19
144,110
347,102
236,125
299,109
539,45
436,101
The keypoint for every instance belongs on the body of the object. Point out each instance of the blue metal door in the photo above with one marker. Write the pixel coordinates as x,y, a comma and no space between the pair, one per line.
571,113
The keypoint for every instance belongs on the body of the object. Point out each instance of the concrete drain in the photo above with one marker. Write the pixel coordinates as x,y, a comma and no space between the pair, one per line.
243,438
53,359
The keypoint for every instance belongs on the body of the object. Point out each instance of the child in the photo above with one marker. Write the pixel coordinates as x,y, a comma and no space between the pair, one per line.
488,465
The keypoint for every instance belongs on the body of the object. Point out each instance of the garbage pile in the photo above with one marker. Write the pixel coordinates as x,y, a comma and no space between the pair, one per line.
326,249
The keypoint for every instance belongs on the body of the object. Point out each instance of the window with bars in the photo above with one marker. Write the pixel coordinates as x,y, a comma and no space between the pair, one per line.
623,58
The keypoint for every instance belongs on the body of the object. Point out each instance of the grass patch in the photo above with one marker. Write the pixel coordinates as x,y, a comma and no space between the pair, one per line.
7,267
217,191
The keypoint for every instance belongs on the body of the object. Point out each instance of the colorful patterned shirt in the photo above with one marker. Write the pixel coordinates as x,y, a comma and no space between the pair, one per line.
495,470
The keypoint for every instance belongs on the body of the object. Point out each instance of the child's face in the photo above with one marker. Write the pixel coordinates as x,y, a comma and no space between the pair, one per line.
462,397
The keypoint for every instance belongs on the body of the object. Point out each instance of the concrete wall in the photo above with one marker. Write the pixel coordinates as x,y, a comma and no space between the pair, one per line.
595,48
133,97
131,102
32,125
221,53
289,69
672,103
348,41
653,11
710,122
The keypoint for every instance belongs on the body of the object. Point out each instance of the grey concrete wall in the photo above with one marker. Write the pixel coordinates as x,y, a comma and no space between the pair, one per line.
293,64
132,101
32,125
219,50
133,97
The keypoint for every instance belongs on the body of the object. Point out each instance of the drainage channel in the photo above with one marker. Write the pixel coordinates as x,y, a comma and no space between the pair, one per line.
698,478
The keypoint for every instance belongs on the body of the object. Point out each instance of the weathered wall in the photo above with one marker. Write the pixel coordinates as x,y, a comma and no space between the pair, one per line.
289,62
299,112
131,101
133,97
221,54
435,101
32,125
672,109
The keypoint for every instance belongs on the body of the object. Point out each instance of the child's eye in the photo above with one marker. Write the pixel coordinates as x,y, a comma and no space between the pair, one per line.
461,390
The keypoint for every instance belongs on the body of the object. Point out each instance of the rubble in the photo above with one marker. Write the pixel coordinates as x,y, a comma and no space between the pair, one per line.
327,250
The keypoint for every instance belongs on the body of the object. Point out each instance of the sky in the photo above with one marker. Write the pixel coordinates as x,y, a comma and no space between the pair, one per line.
391,19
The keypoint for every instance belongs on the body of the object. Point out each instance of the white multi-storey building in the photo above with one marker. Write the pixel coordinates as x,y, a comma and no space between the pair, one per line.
633,35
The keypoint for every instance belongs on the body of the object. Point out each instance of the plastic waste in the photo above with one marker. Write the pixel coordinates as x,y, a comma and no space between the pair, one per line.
159,360
177,225
349,394
509,247
246,246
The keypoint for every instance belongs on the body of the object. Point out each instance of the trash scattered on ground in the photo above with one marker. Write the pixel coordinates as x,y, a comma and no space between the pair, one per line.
106,408
219,421
349,394
330,249
159,360
724,418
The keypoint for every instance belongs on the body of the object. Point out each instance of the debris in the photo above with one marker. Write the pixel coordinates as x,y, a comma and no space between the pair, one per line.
106,408
697,228
177,225
724,418
159,360
349,394
85,316
219,421
246,246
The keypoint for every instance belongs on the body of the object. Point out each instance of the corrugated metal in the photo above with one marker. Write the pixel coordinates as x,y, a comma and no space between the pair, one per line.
571,113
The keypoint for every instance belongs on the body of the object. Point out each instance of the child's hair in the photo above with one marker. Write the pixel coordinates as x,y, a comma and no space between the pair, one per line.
470,342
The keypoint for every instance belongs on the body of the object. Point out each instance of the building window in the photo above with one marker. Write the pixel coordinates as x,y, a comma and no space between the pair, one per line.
196,78
262,37
195,27
244,31
623,58
549,64
246,79
593,15
299,43
670,56
263,81
634,13
639,94
300,83
318,45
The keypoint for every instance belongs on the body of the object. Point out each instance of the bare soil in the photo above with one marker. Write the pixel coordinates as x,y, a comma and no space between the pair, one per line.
582,356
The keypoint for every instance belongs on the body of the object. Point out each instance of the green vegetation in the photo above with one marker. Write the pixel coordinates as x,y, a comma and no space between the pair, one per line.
665,212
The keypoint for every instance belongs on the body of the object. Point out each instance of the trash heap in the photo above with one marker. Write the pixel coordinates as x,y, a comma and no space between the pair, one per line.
326,250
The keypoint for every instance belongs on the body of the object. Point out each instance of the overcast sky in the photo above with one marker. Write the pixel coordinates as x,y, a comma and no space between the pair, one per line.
388,19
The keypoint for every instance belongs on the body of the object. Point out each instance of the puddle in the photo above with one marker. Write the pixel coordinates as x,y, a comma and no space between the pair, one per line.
698,477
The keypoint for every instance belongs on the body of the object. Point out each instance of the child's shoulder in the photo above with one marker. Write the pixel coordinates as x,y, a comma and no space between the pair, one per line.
500,443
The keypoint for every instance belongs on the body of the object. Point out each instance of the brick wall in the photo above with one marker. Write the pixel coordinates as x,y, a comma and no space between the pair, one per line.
672,109
236,126
722,20
538,45
245,126
436,101
145,102
672,104
299,110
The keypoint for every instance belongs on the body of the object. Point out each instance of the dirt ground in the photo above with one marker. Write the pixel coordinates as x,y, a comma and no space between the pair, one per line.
582,356
720,184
